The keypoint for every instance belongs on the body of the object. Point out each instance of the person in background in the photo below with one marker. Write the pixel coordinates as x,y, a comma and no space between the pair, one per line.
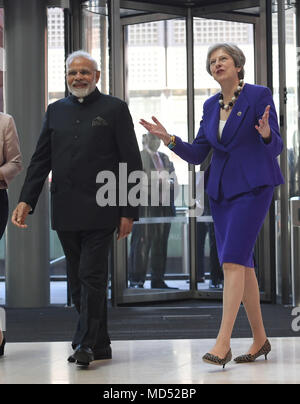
204,228
84,134
152,238
10,166
240,124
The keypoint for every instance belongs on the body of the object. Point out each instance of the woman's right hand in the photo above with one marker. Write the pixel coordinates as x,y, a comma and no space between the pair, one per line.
156,129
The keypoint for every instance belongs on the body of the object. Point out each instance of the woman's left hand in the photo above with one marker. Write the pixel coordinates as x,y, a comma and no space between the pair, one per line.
263,126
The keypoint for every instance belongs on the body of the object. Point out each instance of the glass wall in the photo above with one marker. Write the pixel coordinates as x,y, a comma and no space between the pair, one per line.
95,40
56,54
56,91
292,66
293,130
1,59
275,64
288,86
206,33
2,241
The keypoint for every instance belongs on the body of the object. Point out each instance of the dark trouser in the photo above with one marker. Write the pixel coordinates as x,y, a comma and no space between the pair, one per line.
3,211
87,271
146,237
215,269
202,230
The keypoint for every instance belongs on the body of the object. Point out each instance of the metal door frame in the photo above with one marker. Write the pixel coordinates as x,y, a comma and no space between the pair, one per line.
161,12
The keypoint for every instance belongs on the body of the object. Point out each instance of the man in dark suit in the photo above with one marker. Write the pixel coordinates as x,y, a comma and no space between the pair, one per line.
153,237
83,135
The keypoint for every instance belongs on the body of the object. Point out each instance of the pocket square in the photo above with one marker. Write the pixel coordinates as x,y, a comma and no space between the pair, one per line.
98,121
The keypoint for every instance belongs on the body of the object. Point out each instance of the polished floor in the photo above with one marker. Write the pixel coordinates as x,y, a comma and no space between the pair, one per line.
149,362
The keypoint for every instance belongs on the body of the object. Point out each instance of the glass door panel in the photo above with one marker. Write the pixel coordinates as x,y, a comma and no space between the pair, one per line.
95,39
285,19
292,68
56,91
2,241
157,86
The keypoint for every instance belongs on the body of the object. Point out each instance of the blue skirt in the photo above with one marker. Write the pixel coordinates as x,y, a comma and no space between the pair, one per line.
237,224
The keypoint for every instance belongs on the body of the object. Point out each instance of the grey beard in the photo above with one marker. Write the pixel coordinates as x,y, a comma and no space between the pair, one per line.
84,92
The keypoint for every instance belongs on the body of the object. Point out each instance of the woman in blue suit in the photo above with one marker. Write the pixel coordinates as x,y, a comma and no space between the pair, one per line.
240,125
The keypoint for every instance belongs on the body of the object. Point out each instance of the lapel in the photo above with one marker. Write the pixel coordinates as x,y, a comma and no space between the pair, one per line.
212,124
233,122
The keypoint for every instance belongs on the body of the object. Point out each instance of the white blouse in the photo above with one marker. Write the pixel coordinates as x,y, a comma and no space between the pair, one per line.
221,127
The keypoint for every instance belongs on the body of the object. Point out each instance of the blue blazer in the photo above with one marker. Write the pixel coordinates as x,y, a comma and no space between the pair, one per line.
241,160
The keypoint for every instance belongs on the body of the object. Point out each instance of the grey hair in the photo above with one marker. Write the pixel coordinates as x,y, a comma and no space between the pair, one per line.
232,50
80,54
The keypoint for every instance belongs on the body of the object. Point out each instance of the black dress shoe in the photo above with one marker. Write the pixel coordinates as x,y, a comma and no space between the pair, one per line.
160,285
83,355
99,354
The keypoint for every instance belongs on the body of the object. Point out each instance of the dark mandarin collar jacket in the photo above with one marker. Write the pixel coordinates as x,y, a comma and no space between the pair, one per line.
77,142
241,160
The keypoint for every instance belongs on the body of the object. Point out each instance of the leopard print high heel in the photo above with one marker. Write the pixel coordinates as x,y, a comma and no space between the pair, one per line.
264,350
215,360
